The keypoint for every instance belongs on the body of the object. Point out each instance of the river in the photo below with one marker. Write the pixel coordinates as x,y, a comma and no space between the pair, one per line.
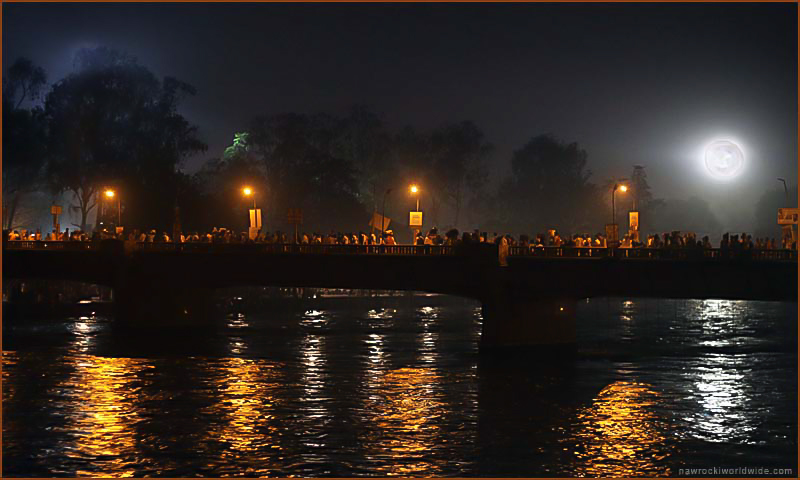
396,386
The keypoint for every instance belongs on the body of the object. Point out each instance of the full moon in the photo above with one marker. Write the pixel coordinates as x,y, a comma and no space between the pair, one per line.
724,159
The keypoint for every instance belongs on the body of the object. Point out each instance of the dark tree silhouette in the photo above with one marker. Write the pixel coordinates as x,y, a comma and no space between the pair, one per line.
22,82
298,157
688,215
459,153
24,133
549,188
643,200
114,123
365,142
219,184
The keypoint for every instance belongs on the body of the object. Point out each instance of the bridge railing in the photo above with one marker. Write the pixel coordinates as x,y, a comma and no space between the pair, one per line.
653,253
50,245
557,252
290,248
419,250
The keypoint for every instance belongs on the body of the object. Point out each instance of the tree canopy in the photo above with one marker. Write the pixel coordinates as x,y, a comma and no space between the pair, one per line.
114,123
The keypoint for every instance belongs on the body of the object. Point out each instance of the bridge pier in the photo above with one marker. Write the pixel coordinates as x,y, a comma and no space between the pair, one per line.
541,323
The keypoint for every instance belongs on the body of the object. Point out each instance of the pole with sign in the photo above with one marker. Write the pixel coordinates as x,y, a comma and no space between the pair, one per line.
55,210
415,222
787,218
633,225
295,216
612,236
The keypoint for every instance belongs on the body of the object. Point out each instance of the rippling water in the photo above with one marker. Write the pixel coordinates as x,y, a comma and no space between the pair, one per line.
397,387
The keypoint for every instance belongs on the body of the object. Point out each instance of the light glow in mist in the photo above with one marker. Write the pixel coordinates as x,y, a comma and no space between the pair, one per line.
724,160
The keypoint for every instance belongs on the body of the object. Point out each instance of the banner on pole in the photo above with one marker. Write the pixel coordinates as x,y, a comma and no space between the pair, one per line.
380,222
415,219
294,216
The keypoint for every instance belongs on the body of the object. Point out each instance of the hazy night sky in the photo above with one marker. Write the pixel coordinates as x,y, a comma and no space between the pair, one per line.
631,83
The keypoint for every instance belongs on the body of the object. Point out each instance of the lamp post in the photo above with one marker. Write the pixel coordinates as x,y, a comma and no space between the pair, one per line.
621,188
414,189
785,190
111,194
247,191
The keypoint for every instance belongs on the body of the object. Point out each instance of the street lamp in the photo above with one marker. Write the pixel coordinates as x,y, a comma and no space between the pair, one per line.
247,191
111,194
414,189
785,190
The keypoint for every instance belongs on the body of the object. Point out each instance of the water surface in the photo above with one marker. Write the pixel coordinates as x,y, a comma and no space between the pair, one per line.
397,387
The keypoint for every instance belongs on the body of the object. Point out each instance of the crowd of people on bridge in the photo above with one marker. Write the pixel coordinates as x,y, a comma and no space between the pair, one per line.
552,238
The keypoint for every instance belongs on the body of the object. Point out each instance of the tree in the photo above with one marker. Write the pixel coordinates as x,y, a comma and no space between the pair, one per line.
459,152
688,215
643,200
24,132
303,170
113,122
23,81
364,142
218,187
549,188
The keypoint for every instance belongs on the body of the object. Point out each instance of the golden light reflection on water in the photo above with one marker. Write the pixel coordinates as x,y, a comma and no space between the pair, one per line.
245,406
620,435
104,392
405,426
10,359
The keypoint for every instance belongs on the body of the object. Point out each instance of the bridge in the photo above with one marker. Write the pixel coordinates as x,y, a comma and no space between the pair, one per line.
528,295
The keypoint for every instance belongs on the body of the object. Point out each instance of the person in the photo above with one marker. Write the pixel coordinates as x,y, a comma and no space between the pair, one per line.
452,236
390,238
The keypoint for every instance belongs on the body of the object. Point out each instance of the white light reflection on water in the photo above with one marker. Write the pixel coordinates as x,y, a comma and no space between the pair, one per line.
628,316
237,320
428,338
314,382
720,379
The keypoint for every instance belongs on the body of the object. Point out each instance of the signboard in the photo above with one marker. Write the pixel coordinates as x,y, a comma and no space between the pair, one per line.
612,235
255,218
295,216
633,219
120,230
414,219
55,210
787,216
380,222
